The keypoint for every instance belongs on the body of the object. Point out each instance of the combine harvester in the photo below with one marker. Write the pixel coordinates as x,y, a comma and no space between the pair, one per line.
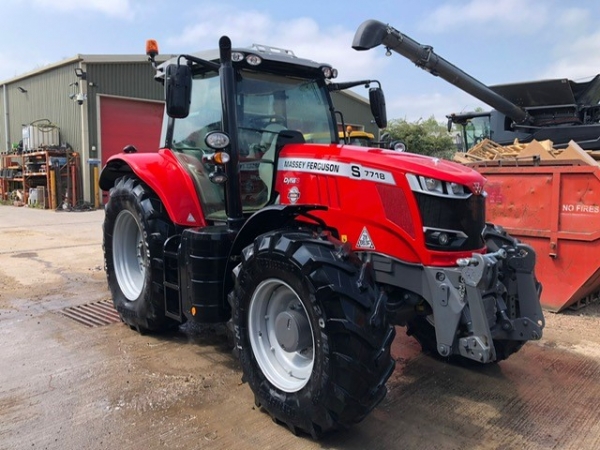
547,198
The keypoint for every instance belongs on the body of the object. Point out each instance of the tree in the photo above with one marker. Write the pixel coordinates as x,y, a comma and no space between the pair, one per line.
426,137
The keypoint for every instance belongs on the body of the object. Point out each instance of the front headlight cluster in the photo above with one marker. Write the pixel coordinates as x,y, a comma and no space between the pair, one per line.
252,59
433,186
329,72
217,141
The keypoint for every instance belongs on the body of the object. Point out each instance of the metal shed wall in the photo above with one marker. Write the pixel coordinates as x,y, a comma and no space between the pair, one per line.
130,80
47,97
356,110
4,145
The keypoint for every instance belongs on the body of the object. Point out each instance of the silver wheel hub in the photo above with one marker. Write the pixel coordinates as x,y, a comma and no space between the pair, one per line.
129,257
281,336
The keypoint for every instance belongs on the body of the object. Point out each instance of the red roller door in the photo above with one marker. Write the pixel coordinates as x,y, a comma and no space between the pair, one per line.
127,121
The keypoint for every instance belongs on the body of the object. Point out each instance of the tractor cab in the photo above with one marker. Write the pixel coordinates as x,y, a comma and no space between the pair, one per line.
262,99
266,104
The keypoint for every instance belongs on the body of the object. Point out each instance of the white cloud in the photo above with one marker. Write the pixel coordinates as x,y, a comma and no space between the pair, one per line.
113,8
577,59
498,16
573,17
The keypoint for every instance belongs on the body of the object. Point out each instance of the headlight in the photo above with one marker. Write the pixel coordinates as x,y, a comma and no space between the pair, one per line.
253,60
433,186
456,189
217,140
237,56
329,72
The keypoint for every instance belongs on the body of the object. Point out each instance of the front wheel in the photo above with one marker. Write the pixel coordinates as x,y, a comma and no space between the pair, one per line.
311,332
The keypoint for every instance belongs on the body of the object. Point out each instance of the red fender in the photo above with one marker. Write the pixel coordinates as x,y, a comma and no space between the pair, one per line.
163,173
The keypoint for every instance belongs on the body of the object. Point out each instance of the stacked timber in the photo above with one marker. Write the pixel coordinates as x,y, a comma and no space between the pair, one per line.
488,150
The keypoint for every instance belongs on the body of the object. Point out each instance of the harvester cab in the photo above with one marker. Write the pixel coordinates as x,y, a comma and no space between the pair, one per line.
254,215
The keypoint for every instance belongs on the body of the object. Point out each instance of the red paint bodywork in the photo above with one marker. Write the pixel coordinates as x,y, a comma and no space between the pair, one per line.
388,211
355,204
170,181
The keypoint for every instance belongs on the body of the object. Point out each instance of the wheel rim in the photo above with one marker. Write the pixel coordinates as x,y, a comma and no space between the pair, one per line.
281,335
128,255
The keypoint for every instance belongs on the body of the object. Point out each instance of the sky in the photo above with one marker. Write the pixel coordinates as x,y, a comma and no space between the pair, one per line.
495,41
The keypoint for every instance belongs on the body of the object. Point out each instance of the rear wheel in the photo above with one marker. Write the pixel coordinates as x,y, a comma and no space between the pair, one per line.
134,231
311,333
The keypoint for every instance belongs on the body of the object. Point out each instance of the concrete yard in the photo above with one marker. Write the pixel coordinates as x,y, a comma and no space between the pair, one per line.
65,385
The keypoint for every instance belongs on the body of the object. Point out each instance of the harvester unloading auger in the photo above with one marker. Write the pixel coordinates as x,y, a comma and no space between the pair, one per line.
560,110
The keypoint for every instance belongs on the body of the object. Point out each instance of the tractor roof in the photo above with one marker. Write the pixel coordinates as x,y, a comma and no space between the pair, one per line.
273,55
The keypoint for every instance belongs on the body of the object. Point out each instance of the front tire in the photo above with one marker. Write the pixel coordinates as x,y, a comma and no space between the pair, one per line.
311,332
134,231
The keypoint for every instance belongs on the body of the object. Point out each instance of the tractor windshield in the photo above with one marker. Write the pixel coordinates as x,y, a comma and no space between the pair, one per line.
266,104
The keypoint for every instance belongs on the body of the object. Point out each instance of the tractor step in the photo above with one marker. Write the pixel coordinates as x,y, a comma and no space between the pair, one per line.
171,280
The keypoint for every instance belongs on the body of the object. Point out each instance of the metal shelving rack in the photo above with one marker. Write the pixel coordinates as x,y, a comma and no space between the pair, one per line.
46,178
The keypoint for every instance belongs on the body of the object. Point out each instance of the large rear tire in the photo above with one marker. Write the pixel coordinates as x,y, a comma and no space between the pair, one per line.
311,332
134,231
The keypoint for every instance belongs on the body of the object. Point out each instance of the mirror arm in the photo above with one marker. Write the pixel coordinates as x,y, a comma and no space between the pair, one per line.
204,63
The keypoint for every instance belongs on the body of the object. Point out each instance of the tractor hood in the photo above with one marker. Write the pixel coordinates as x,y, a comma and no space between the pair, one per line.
390,162
426,165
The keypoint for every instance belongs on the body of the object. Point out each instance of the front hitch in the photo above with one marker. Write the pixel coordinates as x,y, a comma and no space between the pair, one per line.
496,272
488,298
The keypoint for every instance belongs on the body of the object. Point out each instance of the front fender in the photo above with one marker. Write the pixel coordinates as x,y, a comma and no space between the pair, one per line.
165,176
267,219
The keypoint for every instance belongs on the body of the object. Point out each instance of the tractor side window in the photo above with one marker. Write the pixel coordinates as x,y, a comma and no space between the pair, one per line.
188,140
205,115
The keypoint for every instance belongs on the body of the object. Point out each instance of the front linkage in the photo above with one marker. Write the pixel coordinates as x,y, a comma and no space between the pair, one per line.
483,310
492,299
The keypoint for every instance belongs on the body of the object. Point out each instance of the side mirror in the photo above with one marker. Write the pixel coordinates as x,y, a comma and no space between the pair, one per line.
449,124
377,101
178,90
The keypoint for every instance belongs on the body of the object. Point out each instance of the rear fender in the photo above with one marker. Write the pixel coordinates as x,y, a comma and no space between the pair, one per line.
165,176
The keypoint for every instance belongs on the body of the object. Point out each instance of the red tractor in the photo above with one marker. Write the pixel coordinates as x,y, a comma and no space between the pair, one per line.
253,214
